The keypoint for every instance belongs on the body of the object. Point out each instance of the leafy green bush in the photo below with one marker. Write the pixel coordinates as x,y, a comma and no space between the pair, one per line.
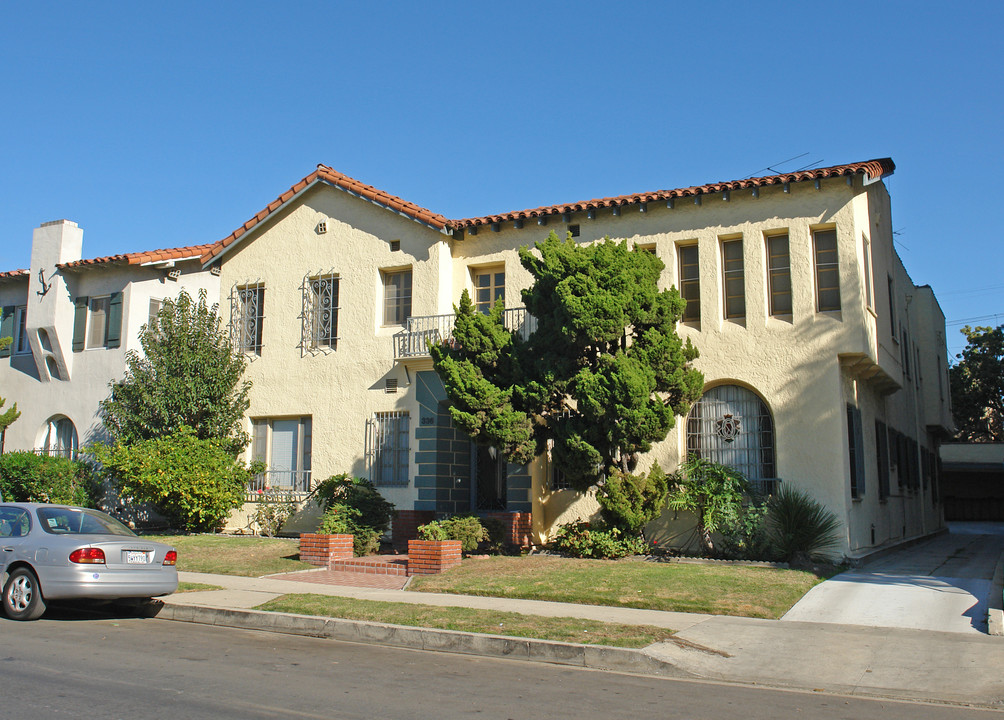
194,483
273,508
355,506
799,527
359,493
747,538
630,502
578,539
465,528
27,477
341,519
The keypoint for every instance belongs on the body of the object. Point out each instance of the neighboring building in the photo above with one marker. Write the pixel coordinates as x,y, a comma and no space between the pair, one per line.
973,480
824,363
72,321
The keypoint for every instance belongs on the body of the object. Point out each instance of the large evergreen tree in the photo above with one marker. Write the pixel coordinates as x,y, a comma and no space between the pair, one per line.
977,382
601,378
187,376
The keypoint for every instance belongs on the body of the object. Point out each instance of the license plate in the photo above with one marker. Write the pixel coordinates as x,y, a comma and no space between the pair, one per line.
137,557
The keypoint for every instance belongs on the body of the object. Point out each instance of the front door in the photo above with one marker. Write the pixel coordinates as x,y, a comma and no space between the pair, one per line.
489,486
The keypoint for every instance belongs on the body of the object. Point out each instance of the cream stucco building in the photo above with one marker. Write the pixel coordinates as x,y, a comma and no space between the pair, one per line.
825,365
72,321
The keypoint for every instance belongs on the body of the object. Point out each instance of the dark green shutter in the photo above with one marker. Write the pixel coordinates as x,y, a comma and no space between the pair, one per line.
79,323
114,334
7,328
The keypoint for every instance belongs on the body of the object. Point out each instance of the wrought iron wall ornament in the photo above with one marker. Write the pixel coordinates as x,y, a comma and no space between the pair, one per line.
728,427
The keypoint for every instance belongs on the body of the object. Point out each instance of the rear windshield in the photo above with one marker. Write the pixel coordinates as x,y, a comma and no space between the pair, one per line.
78,521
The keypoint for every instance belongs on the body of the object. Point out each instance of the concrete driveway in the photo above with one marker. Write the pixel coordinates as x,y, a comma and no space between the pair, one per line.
940,584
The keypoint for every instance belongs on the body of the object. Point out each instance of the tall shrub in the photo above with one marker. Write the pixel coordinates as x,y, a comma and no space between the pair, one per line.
630,502
195,483
353,505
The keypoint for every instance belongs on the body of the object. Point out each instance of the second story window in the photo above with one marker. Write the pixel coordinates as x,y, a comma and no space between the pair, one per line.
21,330
320,312
827,270
247,317
779,274
97,322
690,283
489,286
734,280
396,296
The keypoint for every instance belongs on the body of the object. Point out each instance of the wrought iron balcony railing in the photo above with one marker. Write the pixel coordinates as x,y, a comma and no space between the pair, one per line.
422,331
285,480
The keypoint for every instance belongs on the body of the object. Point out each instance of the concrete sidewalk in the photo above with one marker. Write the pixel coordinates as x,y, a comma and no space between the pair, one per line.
828,657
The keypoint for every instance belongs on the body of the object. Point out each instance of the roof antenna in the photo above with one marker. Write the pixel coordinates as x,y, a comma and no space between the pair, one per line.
782,162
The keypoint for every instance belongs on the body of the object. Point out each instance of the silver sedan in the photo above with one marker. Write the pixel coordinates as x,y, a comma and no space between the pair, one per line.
54,552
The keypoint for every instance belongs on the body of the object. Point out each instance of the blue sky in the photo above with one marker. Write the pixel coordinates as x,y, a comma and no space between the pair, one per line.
166,124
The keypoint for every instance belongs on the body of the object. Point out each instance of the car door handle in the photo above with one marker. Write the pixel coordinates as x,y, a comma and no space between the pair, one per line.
8,549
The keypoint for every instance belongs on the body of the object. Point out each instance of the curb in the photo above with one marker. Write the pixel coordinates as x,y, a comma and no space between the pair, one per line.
596,657
995,603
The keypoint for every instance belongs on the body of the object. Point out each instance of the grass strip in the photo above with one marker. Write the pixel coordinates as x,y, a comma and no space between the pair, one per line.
196,587
716,589
235,555
563,629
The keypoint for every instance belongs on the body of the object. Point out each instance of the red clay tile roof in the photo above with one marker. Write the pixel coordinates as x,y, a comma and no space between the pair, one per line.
872,168
13,274
139,258
332,177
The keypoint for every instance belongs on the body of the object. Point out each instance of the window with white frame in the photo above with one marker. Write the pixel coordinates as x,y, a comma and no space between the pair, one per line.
387,447
97,322
320,312
489,287
247,317
21,345
283,444
827,270
396,296
155,305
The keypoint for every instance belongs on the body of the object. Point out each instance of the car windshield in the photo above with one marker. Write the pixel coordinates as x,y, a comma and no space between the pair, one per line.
79,521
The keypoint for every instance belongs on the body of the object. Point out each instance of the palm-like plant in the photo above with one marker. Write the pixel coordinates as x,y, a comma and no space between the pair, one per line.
798,526
713,492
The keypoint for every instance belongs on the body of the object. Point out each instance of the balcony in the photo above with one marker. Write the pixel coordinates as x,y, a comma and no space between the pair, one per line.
420,332
291,481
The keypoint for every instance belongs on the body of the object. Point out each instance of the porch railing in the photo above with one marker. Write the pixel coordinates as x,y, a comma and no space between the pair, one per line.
422,331
288,480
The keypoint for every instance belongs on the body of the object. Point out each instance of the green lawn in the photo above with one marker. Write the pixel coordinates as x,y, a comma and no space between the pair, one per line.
717,589
235,555
589,632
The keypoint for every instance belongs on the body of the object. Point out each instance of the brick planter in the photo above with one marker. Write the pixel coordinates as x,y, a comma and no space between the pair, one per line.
322,550
430,557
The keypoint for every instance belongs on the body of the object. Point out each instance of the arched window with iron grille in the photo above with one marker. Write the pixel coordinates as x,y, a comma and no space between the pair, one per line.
732,426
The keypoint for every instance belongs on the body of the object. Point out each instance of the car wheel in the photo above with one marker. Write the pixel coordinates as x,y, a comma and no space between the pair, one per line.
22,596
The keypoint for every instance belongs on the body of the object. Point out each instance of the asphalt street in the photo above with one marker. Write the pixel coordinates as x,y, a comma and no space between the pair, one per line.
74,665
